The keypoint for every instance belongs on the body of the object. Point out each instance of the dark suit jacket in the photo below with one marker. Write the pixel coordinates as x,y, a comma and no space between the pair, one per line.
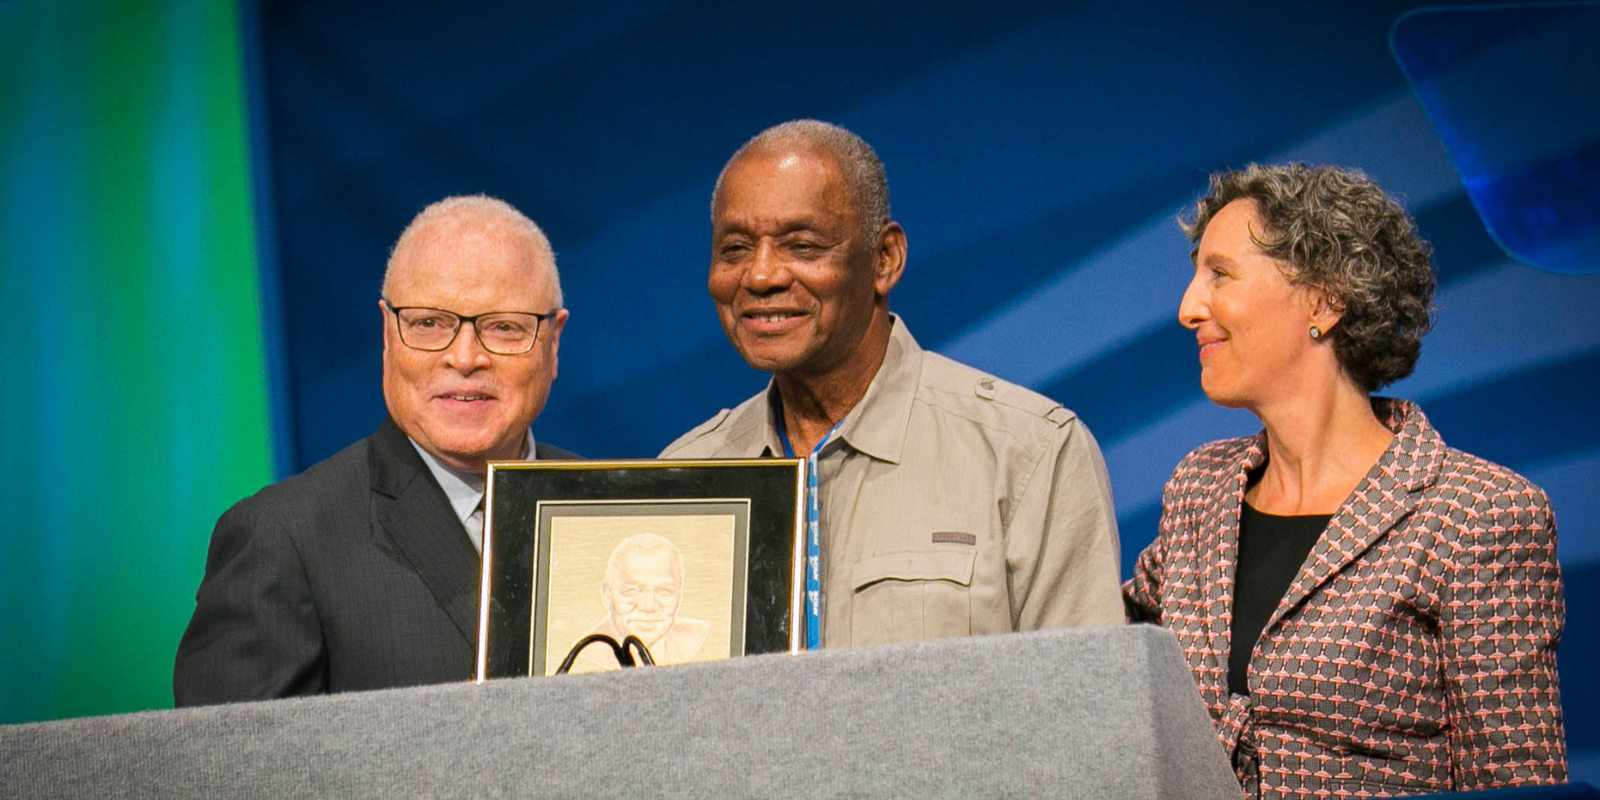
355,574
1414,653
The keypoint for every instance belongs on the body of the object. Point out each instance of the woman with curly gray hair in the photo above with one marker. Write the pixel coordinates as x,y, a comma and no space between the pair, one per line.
1368,612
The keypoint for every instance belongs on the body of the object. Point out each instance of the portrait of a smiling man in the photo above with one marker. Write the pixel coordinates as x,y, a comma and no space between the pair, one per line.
642,593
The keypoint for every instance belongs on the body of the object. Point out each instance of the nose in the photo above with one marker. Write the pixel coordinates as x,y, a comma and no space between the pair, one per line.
1195,307
766,272
466,354
647,602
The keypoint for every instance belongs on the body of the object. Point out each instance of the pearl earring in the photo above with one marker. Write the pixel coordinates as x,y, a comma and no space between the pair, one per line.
1316,333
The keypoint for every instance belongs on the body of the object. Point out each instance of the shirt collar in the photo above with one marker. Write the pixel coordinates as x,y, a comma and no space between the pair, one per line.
464,490
876,426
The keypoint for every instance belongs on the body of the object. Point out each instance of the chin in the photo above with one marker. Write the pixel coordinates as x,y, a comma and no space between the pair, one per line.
772,354
650,639
463,447
477,440
1223,397
767,361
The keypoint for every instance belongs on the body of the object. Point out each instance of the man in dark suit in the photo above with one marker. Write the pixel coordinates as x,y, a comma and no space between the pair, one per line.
363,571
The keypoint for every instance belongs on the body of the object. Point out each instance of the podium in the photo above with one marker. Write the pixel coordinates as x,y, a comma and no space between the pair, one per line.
1098,713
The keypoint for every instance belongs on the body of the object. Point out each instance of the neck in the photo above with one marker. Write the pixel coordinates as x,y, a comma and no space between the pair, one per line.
1320,447
476,468
814,403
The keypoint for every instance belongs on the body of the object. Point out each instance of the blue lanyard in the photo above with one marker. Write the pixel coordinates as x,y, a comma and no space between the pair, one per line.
813,537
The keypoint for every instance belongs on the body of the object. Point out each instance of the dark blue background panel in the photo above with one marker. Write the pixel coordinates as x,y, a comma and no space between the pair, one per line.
1012,145
1037,154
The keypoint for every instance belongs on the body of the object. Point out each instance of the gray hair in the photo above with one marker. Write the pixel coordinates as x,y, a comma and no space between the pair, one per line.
1341,235
643,542
863,172
487,206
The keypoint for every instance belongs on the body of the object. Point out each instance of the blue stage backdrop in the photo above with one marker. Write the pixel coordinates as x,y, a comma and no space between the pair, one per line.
1036,153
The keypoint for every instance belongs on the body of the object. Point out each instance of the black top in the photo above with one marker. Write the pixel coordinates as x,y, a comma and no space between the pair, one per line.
1271,551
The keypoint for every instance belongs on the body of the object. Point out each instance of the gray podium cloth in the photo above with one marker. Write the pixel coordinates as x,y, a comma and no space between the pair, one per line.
1101,713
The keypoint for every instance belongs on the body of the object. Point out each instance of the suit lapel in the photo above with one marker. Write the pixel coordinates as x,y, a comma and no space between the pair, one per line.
1386,496
412,511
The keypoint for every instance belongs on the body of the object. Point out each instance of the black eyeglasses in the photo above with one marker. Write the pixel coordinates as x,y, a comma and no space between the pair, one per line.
504,333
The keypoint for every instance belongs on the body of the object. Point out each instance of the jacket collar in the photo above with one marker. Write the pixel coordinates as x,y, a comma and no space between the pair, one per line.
876,426
1385,496
752,430
412,511
1382,499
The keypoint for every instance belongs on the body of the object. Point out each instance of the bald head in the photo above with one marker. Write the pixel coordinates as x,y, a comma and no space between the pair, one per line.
489,217
862,171
642,544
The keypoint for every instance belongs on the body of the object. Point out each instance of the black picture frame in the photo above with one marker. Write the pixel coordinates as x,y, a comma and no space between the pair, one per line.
527,502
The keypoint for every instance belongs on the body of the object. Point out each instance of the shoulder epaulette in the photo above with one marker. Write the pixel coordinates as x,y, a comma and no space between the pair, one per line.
1022,399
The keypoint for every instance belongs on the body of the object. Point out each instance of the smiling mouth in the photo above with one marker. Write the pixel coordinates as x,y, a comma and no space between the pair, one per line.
1211,347
466,398
771,316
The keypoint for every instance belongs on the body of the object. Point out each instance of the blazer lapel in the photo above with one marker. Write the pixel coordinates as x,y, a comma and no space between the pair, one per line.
1386,496
411,509
1222,526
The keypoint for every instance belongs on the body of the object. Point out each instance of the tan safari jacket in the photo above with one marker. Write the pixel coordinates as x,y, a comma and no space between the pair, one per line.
953,503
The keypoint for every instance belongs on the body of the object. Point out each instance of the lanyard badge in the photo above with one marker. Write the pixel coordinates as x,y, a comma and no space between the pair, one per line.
813,538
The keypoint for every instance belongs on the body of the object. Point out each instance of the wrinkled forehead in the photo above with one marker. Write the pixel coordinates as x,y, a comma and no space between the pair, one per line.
803,177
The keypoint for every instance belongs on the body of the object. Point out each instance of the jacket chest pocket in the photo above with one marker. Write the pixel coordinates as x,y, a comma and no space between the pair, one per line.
911,596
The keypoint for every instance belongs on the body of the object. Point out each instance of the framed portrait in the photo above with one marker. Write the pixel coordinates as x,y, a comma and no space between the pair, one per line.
700,559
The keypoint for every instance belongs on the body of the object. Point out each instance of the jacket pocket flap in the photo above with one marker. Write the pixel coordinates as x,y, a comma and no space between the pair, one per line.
921,565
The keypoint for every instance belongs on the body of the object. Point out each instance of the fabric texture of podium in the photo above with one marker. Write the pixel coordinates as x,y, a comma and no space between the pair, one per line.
1104,713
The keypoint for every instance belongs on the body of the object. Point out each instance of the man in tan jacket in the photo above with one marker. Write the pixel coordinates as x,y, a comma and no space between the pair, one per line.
950,502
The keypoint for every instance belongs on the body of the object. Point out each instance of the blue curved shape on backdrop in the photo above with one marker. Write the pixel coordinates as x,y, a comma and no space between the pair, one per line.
1512,92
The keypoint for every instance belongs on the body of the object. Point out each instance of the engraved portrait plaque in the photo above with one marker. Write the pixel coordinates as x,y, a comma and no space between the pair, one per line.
698,559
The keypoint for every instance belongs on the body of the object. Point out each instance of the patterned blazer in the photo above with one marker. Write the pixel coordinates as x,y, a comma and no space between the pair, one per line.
1416,650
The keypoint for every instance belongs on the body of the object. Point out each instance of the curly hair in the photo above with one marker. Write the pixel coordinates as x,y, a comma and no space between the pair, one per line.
1339,234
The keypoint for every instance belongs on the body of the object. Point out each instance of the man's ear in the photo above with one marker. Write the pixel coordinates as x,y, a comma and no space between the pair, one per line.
890,261
552,327
383,325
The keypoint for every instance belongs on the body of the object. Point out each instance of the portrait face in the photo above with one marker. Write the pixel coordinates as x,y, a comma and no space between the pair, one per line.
465,405
642,595
1251,323
795,280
